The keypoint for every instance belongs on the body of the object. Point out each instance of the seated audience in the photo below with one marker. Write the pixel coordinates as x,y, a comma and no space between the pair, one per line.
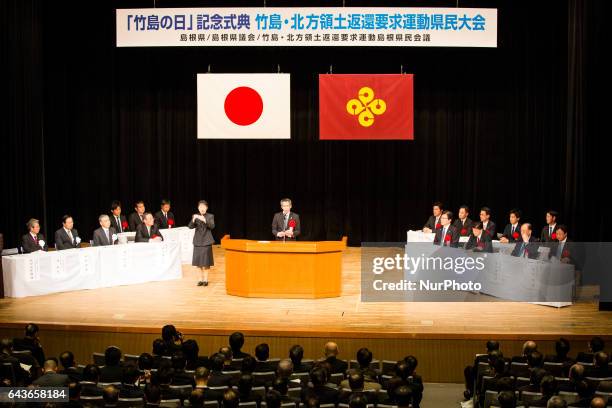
512,231
50,377
67,237
526,246
112,371
463,223
236,342
34,240
331,356
433,222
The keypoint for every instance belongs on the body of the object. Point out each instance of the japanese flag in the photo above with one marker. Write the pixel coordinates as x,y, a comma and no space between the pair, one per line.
243,106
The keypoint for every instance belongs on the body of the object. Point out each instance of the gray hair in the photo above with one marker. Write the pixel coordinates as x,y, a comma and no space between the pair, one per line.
32,222
103,216
285,200
556,402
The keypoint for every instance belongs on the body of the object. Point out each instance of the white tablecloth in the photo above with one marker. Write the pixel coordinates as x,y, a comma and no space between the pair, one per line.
181,235
41,272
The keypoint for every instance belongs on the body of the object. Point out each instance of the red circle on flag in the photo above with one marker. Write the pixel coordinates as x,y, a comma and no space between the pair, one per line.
243,105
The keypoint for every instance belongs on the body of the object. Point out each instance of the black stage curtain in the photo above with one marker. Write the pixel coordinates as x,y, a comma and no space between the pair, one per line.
85,123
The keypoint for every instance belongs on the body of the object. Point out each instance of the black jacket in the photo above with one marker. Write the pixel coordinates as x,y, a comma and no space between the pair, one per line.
202,235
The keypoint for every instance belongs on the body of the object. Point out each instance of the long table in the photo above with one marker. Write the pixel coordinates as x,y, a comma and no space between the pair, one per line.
181,235
41,273
513,278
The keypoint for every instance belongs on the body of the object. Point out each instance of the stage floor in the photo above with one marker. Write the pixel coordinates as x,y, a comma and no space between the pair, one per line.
209,310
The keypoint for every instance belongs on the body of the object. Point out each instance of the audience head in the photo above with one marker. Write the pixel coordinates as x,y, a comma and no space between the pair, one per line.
190,350
556,402
601,359
226,351
358,401
318,376
437,208
505,384
446,218
598,402
535,359
403,396
152,394
477,229
529,346
507,399
130,374
216,362
485,214
262,352
364,357
526,231
296,354
147,219
561,232
145,361
492,345
236,341
412,363
230,399
499,365
281,385
402,370
464,211
112,356
91,373
67,359
170,334
31,330
515,216
104,221
536,376
331,349
285,368
576,372
6,345
312,402
248,364
110,394
551,217
596,344
165,205
562,347
548,385
196,399
50,365
356,380
273,399
201,375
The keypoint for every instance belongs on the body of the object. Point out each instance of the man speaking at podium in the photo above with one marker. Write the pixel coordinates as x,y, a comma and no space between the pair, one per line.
286,224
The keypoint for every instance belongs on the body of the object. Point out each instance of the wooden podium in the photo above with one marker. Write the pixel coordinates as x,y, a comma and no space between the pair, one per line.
277,269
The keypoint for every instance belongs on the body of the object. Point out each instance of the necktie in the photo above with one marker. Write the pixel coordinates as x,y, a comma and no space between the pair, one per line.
443,236
560,249
522,254
285,220
109,237
550,231
513,229
70,236
477,240
119,224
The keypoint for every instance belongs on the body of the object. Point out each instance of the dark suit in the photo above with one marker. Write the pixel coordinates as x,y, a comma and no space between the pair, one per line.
324,394
51,379
134,221
130,391
278,224
511,235
63,241
75,374
101,239
531,248
490,230
569,250
111,374
31,344
142,235
337,365
545,236
29,244
451,234
162,221
203,235
464,228
432,222
119,227
218,379
484,245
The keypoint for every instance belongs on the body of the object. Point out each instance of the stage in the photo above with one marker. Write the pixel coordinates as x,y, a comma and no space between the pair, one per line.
441,335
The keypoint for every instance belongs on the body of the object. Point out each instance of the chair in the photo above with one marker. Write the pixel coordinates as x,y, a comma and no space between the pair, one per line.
97,399
265,377
327,406
489,398
131,358
220,388
288,405
184,390
521,381
569,397
388,367
300,376
528,396
294,392
130,402
336,378
251,404
98,359
555,369
236,363
384,380
261,391
374,364
594,382
19,353
520,370
171,403
211,404
234,373
104,385
386,406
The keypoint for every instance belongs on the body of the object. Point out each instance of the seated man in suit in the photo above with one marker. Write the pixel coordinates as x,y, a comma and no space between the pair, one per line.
236,341
563,249
526,247
136,218
262,353
433,222
296,354
74,373
33,241
105,235
601,368
118,221
286,224
488,226
479,241
446,235
331,357
463,224
164,218
549,231
512,230
148,231
319,389
51,378
67,237
217,378
595,345
112,370
31,342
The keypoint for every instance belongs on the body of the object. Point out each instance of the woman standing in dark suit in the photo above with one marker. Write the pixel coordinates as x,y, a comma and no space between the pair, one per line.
203,240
